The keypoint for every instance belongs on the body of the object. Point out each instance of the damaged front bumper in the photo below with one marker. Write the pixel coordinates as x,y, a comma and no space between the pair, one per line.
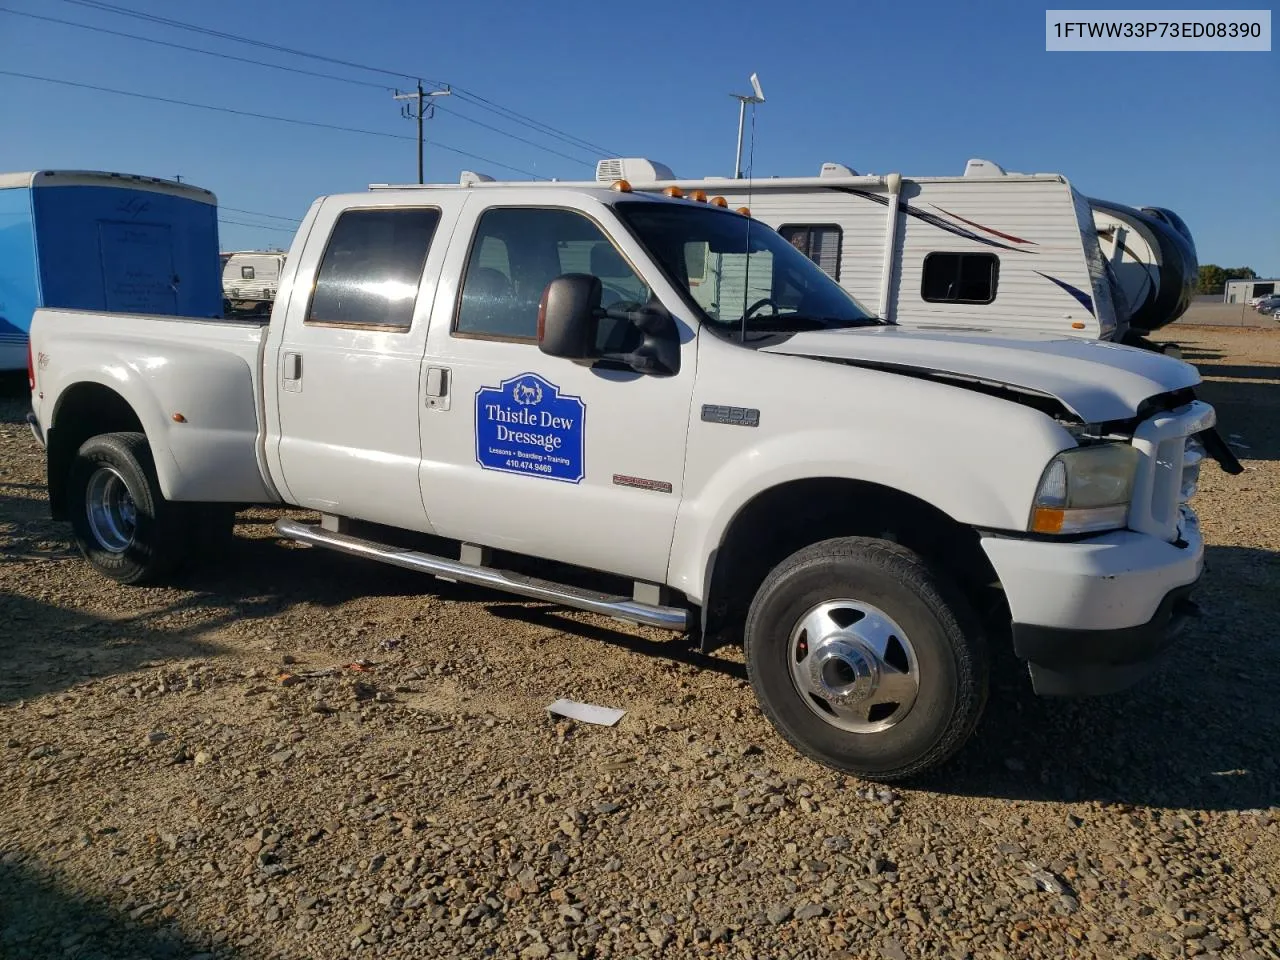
1092,616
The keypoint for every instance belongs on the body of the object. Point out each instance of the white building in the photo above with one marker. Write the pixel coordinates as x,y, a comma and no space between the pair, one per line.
1242,291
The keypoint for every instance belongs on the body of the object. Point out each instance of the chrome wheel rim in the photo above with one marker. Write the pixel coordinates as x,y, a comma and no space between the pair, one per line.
112,514
853,666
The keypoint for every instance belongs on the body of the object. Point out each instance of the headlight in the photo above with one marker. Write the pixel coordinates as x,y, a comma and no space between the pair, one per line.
1085,489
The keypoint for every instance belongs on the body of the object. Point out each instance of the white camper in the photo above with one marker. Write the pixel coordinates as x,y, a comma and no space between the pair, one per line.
990,250
251,278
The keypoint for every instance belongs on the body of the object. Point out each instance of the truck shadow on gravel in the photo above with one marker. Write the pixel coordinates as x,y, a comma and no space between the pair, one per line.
48,648
42,918
15,398
676,649
1202,733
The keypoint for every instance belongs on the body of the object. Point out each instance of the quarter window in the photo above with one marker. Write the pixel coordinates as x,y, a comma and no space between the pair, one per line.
960,277
518,251
819,242
372,266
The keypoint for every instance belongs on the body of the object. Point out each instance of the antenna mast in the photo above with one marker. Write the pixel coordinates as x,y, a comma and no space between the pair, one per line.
756,96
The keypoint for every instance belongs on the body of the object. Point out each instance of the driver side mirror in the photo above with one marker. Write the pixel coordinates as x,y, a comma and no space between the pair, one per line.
568,316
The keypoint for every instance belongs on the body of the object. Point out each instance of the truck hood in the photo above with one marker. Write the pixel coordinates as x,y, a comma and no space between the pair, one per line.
1095,380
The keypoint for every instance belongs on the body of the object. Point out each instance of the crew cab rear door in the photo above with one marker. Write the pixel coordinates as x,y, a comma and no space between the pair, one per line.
346,363
537,454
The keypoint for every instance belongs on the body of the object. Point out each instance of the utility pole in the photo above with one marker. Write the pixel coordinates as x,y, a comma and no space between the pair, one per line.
423,111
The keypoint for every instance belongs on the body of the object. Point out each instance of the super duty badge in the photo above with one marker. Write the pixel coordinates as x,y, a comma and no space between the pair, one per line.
736,416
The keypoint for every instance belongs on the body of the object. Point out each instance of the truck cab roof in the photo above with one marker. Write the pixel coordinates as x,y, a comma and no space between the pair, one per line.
515,192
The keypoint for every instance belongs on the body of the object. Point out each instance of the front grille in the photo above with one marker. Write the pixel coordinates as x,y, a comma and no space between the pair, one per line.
1168,463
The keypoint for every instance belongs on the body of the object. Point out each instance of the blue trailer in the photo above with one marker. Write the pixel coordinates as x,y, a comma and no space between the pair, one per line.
88,240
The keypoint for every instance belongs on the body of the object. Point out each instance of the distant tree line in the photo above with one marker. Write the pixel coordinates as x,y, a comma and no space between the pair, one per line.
1213,278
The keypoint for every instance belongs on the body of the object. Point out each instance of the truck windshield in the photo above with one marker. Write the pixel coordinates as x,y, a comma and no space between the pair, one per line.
741,274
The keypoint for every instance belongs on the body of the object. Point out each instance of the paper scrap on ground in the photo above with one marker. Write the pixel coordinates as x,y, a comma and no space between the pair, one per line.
586,712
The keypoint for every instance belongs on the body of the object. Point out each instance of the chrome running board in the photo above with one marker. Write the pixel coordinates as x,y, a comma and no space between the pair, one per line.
651,615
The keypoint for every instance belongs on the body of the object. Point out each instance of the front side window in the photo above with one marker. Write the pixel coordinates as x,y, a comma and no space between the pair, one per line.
372,266
517,251
819,242
960,278
246,273
742,275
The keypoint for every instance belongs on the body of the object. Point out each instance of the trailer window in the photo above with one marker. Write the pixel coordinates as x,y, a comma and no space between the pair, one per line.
960,278
246,273
819,242
372,266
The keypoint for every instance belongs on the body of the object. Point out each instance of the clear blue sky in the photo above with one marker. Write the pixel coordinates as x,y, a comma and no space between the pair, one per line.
916,87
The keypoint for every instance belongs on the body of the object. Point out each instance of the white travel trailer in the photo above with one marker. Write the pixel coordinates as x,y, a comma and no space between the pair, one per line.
251,278
989,249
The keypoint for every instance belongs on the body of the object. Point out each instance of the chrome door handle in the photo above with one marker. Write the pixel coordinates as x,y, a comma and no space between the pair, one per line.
291,372
437,390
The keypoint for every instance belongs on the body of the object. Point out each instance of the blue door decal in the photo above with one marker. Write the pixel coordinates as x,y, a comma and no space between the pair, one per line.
525,425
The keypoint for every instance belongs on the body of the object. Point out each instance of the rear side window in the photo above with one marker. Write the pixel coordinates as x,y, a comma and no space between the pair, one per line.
372,266
246,273
819,242
960,277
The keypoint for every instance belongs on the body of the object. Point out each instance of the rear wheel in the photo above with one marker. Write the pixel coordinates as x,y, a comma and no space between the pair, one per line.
122,523
865,660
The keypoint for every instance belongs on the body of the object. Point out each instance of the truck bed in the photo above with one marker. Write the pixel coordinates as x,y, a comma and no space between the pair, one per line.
194,383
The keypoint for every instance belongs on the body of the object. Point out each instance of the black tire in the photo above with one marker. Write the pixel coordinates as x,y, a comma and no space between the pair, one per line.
159,542
948,648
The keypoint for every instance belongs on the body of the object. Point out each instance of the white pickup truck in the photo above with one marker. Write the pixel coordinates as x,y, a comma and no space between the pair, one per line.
526,387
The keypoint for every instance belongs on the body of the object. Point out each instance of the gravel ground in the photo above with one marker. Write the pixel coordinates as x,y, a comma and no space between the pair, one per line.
301,755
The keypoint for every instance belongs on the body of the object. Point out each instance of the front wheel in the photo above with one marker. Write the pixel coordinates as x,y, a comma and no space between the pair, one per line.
122,523
865,660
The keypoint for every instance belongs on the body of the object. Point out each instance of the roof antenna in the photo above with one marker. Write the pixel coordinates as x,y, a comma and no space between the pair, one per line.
756,96
751,172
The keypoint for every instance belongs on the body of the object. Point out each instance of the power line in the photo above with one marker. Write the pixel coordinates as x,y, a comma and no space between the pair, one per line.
210,53
277,66
481,123
263,116
520,118
181,25
255,213
484,103
260,226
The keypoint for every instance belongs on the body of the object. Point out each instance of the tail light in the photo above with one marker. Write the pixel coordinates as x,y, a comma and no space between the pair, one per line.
31,368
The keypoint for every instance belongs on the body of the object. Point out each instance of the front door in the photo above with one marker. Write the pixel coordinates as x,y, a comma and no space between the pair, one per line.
536,454
347,367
